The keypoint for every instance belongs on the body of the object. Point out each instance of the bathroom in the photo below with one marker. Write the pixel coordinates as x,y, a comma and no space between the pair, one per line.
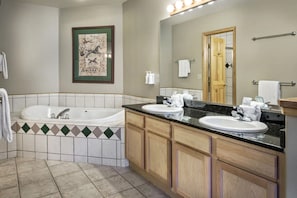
38,43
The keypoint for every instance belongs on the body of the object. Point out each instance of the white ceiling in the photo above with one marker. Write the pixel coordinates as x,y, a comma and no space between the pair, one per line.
72,3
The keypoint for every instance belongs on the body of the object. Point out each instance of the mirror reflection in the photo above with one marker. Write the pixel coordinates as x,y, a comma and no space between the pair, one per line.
219,63
182,37
190,60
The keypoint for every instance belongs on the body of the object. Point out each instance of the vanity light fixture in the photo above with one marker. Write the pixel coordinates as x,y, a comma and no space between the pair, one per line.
181,6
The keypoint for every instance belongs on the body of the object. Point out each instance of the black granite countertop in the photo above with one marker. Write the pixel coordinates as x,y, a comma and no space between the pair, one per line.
271,139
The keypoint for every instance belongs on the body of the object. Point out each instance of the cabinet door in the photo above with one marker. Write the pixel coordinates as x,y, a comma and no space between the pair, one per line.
191,172
233,182
135,145
158,160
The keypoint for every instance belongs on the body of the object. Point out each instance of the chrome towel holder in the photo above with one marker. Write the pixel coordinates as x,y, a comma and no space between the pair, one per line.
274,36
292,83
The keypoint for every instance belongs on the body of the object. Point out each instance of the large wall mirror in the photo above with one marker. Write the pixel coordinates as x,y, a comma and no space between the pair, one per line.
188,36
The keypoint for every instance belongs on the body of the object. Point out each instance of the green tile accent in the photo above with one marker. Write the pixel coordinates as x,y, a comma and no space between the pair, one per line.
26,127
45,129
86,131
108,132
65,130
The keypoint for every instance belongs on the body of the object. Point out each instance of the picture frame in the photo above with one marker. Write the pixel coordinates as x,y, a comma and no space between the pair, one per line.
93,54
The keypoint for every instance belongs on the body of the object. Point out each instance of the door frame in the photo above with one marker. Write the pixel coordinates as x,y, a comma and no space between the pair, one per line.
205,60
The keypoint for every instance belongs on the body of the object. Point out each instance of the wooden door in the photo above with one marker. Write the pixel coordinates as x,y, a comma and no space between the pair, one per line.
135,145
158,157
217,69
233,182
191,172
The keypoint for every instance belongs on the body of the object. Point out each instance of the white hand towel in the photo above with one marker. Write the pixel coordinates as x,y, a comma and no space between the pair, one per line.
5,127
3,65
270,91
184,68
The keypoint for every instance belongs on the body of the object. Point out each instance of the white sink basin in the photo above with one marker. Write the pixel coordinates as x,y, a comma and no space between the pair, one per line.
161,109
231,124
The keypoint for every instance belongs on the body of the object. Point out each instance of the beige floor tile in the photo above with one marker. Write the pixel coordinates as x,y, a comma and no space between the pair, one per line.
7,170
100,172
122,170
34,176
38,189
150,191
7,162
53,162
134,178
31,165
64,168
8,181
10,193
87,190
54,195
131,193
71,181
86,166
112,185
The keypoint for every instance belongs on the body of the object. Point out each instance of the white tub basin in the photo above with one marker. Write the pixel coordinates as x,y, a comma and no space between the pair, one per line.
231,124
161,109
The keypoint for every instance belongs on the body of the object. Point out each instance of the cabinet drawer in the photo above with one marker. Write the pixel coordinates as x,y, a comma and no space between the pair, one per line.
158,127
192,138
135,119
247,158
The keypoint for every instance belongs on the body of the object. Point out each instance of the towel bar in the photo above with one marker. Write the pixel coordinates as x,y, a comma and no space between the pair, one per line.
292,83
274,36
191,60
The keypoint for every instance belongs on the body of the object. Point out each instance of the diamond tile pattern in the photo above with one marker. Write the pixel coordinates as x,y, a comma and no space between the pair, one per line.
75,130
108,132
65,130
97,132
45,129
55,129
41,178
86,131
16,127
26,127
35,128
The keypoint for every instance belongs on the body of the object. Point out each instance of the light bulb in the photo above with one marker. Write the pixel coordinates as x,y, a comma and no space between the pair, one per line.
170,8
178,4
188,2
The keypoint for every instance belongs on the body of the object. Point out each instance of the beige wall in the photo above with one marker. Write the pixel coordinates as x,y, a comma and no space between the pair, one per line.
82,17
141,44
29,37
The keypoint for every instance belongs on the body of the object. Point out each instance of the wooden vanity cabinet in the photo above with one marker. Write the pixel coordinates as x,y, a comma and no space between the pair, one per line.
243,170
188,162
158,149
134,138
191,162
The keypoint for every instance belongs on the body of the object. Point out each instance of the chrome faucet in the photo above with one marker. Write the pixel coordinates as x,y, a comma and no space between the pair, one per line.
62,113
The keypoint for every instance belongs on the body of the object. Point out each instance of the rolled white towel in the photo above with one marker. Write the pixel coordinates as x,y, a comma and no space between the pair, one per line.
5,127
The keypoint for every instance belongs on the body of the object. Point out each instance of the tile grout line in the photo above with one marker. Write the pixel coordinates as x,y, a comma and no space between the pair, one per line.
17,173
134,187
53,178
83,171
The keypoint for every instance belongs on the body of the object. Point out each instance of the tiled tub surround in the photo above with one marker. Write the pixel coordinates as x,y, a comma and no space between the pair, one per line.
71,142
